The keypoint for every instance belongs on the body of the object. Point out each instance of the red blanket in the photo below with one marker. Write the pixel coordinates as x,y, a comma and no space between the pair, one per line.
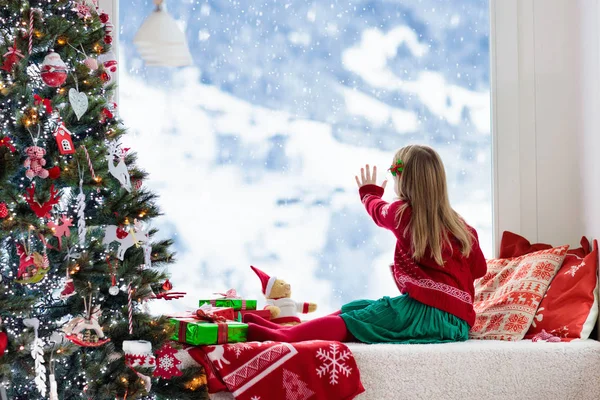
270,370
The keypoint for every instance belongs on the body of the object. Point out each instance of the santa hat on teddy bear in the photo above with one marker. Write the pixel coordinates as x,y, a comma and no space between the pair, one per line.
266,281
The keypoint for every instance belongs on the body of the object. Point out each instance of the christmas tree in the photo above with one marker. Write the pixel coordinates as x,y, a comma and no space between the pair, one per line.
79,265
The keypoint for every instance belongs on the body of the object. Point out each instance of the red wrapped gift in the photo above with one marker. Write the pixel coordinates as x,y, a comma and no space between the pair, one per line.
239,315
223,312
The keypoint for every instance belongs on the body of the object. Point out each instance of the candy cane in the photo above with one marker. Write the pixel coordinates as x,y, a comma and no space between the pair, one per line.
31,12
87,155
129,302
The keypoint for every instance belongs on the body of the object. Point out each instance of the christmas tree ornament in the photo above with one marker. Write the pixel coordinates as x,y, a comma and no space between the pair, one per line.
80,209
54,172
118,170
6,142
61,230
91,63
3,210
167,364
53,70
113,233
52,380
79,102
167,286
35,162
113,290
137,183
69,289
138,354
32,12
109,62
32,266
147,255
63,139
37,352
39,100
3,343
85,330
41,210
11,58
130,307
82,9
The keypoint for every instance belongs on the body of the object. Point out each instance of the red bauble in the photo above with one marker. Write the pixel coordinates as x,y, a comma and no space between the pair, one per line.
105,77
108,39
54,172
104,18
3,210
3,342
53,70
167,285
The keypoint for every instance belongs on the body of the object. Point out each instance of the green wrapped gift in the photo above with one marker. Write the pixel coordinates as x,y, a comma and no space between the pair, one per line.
236,304
230,299
195,332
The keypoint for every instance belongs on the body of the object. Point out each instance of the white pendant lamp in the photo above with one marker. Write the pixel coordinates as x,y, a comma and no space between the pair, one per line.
160,42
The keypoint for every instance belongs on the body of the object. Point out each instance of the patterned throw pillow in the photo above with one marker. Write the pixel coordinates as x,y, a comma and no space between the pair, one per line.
508,296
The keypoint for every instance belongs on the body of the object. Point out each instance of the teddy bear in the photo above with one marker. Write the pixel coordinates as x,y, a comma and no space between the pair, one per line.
284,310
35,162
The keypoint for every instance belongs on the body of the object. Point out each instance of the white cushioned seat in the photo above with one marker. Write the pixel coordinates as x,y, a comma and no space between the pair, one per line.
478,369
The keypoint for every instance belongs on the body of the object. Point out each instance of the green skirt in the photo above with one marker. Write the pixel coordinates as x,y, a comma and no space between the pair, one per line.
402,320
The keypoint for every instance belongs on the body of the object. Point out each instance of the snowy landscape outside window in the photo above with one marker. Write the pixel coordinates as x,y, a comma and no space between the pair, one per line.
254,148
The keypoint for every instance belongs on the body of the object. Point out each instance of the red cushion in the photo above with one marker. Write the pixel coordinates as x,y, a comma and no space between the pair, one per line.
513,245
569,308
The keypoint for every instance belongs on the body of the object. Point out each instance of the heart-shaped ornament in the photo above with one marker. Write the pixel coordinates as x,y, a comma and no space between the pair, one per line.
79,102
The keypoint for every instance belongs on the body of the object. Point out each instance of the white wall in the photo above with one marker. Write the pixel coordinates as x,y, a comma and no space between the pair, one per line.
545,95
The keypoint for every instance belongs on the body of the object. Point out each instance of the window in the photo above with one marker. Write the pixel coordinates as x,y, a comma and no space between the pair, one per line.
66,145
254,149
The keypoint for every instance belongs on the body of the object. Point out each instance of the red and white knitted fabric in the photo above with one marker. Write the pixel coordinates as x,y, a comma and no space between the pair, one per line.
286,371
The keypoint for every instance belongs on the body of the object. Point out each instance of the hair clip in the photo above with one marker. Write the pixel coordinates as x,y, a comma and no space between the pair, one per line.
397,168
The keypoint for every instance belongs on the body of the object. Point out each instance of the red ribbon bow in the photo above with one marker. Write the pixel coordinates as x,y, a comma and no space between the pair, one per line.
15,51
46,102
230,294
6,142
208,317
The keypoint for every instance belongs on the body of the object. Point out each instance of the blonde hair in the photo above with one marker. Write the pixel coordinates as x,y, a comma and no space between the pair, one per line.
422,184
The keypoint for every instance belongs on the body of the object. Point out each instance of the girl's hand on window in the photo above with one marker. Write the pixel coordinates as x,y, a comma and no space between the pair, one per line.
368,178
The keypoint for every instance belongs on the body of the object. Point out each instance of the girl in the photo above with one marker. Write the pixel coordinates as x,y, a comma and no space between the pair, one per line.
436,260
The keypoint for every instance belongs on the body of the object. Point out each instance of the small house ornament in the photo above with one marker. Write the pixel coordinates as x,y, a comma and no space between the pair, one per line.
64,140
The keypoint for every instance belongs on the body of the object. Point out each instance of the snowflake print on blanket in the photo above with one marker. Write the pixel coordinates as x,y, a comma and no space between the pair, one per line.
574,269
238,348
495,322
516,323
543,271
505,276
255,398
295,389
333,363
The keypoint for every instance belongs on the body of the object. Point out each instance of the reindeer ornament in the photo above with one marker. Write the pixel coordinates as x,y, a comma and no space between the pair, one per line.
125,239
118,170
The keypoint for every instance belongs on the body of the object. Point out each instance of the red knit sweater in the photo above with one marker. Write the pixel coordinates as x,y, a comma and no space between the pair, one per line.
449,287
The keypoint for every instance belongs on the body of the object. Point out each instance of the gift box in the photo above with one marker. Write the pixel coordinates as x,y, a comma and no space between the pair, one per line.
196,333
239,315
224,312
236,304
